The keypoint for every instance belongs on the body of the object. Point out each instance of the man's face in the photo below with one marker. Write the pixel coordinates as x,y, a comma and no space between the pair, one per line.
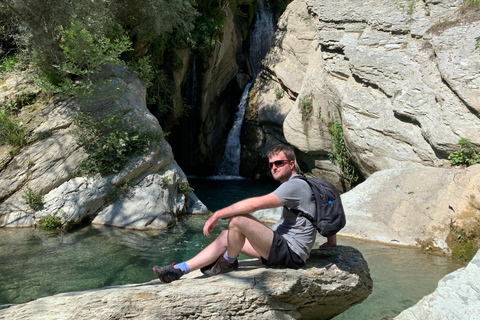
280,167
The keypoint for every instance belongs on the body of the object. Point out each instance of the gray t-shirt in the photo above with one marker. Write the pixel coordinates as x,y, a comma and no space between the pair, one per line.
297,231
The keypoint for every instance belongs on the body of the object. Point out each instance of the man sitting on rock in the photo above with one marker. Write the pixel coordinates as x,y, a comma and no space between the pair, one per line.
287,243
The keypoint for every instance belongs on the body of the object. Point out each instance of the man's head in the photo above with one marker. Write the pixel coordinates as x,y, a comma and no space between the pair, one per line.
281,160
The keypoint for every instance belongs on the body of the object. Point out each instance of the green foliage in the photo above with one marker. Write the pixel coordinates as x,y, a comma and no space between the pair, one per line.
464,244
10,63
279,93
466,155
115,192
33,199
50,222
160,94
306,107
473,3
340,154
11,132
85,54
408,7
166,181
185,188
144,70
108,143
14,104
207,31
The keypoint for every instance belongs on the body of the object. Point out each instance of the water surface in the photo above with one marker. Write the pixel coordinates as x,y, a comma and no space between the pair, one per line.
36,263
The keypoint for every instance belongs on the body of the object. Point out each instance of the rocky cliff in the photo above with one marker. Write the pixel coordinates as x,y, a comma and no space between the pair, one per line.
402,78
48,163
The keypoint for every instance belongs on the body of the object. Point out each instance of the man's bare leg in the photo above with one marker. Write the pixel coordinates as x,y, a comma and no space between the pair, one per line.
210,254
218,247
331,242
243,227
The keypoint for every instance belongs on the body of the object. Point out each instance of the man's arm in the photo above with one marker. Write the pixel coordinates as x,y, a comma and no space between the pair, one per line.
242,207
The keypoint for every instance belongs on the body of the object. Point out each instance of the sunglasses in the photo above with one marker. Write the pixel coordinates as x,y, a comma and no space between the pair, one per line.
278,163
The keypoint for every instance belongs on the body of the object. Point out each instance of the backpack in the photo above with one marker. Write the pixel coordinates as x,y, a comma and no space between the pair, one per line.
329,215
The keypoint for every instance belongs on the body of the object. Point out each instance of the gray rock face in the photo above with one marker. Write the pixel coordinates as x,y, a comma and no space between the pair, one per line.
456,297
333,280
47,167
404,88
413,207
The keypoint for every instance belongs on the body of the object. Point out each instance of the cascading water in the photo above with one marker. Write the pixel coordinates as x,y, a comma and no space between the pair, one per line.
261,36
231,159
260,40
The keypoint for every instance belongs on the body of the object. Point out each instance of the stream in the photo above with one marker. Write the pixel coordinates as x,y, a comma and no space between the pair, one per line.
36,263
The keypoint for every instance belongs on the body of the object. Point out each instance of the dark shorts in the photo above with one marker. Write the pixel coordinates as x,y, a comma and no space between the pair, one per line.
281,254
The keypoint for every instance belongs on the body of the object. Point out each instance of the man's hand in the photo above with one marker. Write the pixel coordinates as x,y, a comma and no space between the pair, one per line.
209,225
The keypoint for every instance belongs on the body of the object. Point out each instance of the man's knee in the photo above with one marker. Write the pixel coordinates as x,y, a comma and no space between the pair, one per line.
238,221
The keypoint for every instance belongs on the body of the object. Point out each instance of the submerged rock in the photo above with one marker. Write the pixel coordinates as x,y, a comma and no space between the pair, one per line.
333,280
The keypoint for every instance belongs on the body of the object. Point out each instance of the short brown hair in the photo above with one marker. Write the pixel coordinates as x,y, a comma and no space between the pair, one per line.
287,151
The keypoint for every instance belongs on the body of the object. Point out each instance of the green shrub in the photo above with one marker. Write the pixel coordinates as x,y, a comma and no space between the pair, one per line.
85,53
17,102
340,154
464,244
144,70
306,107
466,155
50,222
166,181
473,3
185,188
108,143
9,64
279,93
33,199
11,132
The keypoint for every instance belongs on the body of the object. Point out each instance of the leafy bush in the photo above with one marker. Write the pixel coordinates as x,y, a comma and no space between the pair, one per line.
473,3
85,53
306,107
108,143
279,93
466,155
18,101
50,222
33,199
185,188
10,64
340,154
11,132
464,244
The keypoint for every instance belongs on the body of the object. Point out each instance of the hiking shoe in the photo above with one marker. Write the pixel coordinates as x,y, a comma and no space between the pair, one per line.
168,274
221,266
208,268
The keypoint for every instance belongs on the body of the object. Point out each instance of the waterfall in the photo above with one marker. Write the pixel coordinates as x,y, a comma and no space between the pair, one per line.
231,159
260,40
261,36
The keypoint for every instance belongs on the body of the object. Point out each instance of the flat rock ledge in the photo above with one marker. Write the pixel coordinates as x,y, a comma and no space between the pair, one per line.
333,280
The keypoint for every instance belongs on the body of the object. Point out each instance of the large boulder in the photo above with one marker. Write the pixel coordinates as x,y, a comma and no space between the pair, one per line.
332,281
145,194
414,207
456,297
